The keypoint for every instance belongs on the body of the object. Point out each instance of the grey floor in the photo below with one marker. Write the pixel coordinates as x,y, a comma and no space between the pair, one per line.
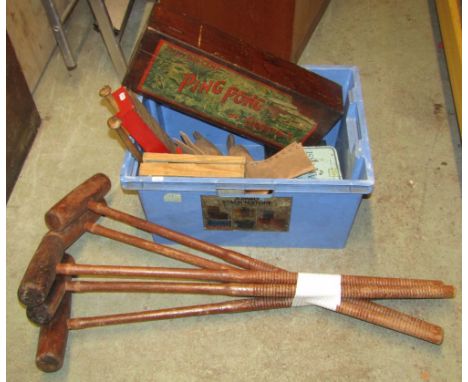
409,227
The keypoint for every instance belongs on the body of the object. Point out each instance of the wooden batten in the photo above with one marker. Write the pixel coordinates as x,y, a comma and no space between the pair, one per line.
203,166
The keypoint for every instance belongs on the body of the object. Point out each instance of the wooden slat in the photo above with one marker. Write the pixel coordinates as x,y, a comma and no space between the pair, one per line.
188,158
199,170
203,166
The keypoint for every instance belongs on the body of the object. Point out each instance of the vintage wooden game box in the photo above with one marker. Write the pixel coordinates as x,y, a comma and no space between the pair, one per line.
205,73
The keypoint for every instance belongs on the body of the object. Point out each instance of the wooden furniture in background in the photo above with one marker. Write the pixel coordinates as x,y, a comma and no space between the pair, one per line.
280,27
31,36
449,12
21,116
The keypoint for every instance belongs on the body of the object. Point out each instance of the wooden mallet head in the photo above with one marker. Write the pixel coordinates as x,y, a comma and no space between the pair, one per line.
53,338
75,203
43,313
67,220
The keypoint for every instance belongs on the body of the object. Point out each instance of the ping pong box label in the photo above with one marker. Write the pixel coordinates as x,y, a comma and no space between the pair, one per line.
178,75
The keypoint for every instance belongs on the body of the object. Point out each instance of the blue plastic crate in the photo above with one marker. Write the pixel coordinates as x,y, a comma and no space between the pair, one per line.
321,212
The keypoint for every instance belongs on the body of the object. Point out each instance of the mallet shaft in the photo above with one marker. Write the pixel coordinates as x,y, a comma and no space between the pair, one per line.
392,319
191,242
228,275
364,310
234,306
257,290
154,247
44,312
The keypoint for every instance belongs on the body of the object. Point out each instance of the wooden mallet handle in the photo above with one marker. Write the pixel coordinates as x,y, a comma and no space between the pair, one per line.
225,254
392,319
230,275
106,93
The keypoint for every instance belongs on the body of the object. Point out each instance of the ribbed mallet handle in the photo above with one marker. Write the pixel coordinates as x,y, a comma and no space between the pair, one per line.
392,319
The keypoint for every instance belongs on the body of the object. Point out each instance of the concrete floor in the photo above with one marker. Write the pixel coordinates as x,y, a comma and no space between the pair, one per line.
410,227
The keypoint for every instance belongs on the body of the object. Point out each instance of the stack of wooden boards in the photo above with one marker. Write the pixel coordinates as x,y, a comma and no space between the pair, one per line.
203,166
290,162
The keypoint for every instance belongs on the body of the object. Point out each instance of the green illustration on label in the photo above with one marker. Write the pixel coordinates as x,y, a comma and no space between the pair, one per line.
196,82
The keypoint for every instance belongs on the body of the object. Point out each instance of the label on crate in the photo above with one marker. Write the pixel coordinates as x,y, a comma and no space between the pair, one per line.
179,76
248,214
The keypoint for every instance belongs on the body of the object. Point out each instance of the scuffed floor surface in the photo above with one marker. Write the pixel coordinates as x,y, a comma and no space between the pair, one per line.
409,227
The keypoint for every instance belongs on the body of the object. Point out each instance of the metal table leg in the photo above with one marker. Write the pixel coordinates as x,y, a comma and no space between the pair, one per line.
107,32
59,33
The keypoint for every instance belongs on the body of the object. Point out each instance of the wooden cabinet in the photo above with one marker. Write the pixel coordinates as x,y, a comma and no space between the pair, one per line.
282,27
30,33
450,20
22,118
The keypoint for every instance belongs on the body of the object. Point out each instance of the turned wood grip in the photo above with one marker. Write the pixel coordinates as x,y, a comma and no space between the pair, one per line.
75,203
53,338
43,313
40,274
392,319
106,93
